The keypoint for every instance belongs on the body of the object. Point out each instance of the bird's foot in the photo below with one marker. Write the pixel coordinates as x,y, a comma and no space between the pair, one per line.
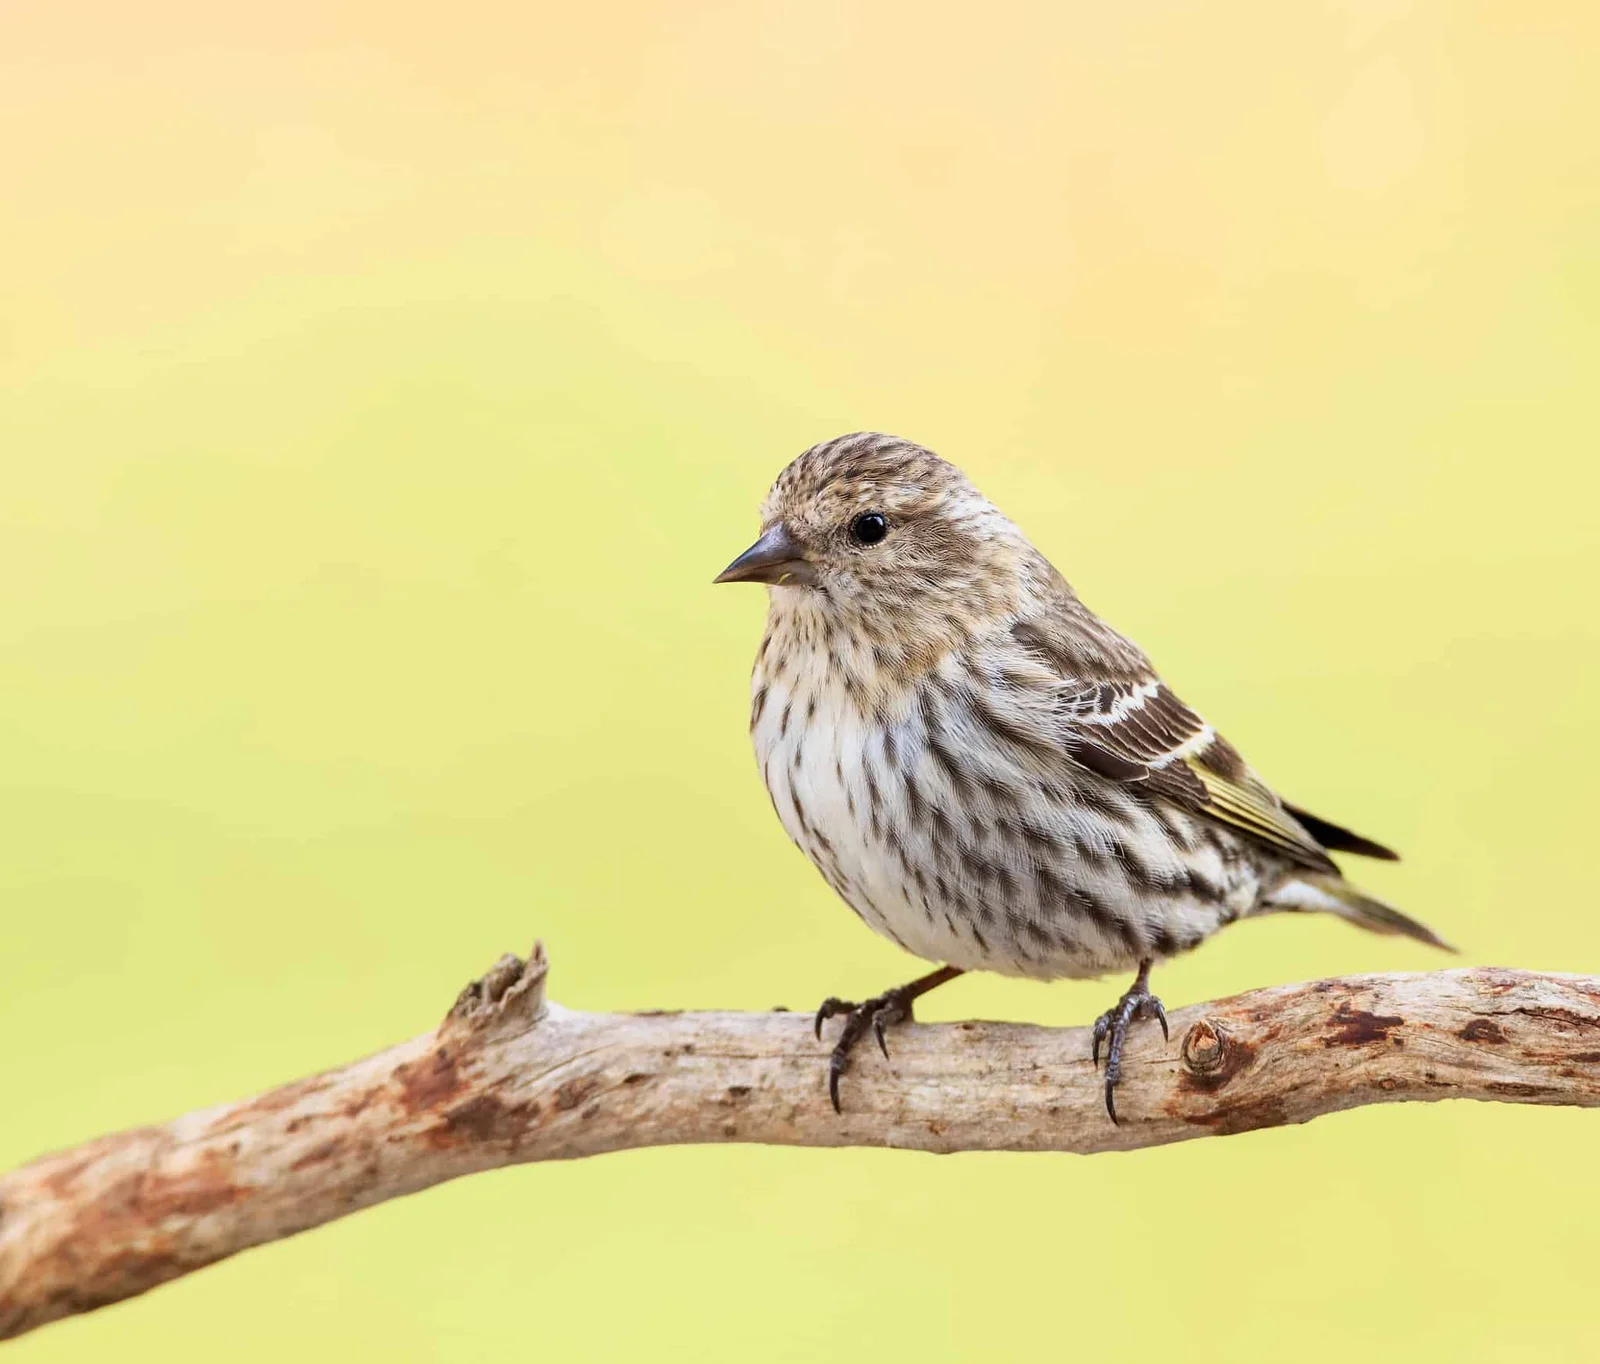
880,1013
1114,1023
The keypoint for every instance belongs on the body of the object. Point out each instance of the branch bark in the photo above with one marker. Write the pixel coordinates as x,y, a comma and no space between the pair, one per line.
508,1078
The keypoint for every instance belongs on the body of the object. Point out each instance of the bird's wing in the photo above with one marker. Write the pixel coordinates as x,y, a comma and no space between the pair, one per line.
1133,730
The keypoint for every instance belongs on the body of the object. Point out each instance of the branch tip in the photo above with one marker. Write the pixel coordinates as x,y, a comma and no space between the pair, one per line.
511,988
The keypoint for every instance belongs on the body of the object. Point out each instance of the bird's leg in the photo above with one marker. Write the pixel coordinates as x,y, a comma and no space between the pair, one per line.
878,1013
1114,1023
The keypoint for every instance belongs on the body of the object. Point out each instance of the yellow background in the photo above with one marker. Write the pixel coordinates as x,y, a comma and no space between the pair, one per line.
380,388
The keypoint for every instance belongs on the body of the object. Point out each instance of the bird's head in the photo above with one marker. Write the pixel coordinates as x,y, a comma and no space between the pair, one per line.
874,527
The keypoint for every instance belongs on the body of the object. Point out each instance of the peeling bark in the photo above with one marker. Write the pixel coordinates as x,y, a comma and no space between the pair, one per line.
508,1078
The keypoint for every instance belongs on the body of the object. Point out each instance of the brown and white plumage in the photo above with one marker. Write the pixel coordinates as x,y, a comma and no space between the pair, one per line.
985,771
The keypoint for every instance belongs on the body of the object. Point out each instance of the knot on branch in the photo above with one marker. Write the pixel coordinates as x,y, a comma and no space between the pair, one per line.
511,992
1212,1055
1204,1046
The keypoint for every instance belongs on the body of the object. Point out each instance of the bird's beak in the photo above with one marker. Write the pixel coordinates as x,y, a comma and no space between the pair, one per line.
777,558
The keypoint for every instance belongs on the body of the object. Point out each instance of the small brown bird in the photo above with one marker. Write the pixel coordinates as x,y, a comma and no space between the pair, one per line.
985,771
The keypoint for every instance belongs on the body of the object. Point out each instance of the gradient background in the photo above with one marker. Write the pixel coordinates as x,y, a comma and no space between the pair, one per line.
380,388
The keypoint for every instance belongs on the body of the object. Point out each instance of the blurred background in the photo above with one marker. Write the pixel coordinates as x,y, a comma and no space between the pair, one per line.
381,387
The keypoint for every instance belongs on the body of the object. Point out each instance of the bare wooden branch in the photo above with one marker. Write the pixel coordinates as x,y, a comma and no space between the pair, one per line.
508,1078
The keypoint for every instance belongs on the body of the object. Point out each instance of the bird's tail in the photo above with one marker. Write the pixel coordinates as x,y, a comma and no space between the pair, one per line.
1327,893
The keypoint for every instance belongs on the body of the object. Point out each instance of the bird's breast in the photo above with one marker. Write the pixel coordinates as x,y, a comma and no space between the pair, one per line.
841,775
811,741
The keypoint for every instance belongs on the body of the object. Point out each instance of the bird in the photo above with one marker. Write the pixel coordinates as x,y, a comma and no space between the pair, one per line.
986,772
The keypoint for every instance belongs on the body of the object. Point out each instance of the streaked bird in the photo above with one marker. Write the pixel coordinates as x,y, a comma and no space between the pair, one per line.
986,772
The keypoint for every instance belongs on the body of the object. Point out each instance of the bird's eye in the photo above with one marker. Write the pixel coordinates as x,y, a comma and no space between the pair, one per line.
869,528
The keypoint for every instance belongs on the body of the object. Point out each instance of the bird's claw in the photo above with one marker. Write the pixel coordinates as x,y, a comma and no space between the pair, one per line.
879,1014
829,1007
1114,1024
835,1070
1158,1011
879,1023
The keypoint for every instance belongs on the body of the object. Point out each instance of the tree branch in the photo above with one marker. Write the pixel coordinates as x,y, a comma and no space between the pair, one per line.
508,1078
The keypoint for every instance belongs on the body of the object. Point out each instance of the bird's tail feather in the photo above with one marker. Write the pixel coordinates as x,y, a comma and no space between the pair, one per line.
1329,894
1337,838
